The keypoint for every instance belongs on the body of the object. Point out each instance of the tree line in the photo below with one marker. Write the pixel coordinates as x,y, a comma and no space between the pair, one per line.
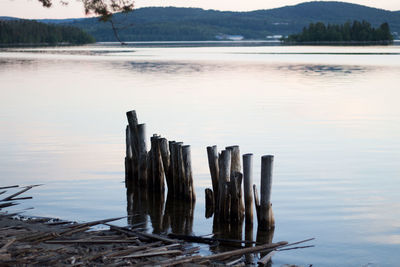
347,32
33,32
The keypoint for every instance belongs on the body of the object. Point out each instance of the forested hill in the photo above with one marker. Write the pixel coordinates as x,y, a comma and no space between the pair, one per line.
28,32
159,24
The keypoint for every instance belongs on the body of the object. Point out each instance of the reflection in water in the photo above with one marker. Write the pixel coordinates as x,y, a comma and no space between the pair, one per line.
166,67
330,70
170,216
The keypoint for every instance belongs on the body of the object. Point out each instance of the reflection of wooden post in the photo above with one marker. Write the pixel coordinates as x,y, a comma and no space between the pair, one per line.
266,215
142,155
248,190
212,154
224,177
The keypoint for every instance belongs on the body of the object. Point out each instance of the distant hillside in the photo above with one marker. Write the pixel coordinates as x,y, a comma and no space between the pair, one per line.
161,24
28,32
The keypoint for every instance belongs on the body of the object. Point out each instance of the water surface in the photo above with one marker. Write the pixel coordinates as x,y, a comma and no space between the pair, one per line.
330,115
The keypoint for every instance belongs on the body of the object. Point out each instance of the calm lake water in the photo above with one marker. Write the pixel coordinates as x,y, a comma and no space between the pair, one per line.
330,115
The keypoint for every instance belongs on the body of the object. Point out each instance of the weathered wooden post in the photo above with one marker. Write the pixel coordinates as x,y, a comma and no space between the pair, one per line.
224,162
142,155
164,149
189,192
248,190
128,160
133,122
158,170
266,216
235,192
212,154
236,168
209,202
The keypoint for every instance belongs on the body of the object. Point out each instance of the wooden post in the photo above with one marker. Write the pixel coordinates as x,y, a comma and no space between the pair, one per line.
172,158
133,122
188,178
142,155
209,202
256,202
175,162
224,161
266,216
158,170
165,160
212,154
247,182
236,167
180,170
235,192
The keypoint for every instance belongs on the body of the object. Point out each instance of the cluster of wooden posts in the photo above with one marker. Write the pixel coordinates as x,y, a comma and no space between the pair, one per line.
165,160
225,200
171,161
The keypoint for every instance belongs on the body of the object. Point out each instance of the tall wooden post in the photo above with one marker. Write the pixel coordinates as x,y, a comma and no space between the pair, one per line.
212,154
224,161
142,155
266,216
247,184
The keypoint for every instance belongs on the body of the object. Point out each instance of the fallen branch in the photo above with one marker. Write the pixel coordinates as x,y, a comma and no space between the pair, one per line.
243,251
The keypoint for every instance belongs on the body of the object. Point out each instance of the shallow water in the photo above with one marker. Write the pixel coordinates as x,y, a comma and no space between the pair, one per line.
330,115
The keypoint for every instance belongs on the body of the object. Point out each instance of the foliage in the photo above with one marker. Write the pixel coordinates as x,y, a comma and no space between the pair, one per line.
32,32
102,8
348,32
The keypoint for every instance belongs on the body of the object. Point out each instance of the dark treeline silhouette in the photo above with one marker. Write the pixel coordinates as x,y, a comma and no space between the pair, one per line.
33,32
348,32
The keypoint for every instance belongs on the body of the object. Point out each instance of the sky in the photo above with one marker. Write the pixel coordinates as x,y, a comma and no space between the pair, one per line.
32,9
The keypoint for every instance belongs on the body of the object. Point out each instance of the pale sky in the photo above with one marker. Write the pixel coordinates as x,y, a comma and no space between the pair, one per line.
32,9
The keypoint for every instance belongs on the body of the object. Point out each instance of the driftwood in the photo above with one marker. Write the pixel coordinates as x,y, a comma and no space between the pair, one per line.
208,240
264,260
243,251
